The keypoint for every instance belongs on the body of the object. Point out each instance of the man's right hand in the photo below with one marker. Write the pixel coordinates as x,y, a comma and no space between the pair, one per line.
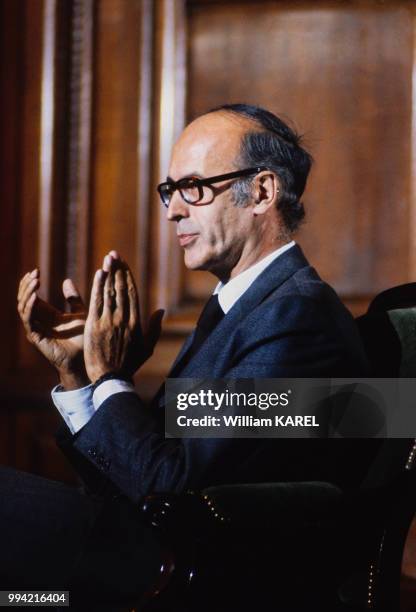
56,334
114,339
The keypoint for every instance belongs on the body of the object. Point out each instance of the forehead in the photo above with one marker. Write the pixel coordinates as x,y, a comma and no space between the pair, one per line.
209,145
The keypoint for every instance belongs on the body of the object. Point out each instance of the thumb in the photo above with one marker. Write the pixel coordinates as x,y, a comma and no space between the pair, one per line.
154,329
72,296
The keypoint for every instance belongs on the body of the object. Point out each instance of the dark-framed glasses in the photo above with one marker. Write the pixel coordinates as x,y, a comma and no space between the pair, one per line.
191,188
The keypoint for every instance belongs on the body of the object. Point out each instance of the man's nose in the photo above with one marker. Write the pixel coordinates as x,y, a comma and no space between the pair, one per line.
178,209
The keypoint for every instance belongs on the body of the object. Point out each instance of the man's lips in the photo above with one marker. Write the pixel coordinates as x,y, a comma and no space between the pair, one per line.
185,239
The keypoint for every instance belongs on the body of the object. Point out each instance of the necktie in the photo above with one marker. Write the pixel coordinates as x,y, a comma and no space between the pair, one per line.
211,315
209,318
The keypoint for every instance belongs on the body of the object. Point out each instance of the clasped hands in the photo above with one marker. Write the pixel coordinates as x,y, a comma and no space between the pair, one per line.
81,345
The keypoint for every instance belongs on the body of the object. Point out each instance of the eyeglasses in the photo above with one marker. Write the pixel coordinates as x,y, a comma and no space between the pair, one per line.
191,188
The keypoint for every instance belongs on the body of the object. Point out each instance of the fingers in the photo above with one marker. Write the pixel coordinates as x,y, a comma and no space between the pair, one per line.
27,292
109,291
96,300
119,294
26,314
72,296
134,318
108,259
122,305
26,281
27,295
22,284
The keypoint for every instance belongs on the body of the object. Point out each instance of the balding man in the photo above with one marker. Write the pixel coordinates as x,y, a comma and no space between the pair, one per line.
235,182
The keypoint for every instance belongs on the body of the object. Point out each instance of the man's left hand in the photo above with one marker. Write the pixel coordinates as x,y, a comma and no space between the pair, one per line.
113,337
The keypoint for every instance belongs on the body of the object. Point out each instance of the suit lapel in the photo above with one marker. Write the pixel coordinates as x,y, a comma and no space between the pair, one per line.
279,271
177,363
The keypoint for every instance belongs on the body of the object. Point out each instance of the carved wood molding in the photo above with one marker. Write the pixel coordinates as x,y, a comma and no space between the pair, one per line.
170,89
80,98
46,158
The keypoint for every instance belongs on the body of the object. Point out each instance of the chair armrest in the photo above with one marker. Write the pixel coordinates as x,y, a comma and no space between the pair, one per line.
249,506
177,515
265,506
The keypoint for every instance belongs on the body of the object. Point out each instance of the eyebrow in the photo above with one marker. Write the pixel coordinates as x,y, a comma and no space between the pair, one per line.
190,175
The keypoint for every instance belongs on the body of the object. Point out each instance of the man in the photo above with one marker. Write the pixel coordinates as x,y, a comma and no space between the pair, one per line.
235,182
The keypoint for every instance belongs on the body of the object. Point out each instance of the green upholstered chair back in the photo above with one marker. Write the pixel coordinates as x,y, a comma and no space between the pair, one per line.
388,331
403,321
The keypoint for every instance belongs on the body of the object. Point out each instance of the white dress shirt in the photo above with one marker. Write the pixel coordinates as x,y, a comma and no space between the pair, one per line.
78,406
229,293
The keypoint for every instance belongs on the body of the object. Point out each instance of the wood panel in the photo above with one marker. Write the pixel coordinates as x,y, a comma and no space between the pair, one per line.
116,155
34,203
79,99
342,72
10,47
165,258
75,168
24,27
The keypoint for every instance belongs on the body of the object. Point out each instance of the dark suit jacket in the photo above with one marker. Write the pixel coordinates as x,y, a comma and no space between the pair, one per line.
289,323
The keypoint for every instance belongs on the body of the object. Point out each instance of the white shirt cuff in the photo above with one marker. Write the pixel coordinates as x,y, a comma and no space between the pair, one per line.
110,387
76,407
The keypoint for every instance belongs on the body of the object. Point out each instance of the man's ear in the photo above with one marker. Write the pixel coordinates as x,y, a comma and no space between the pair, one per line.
266,191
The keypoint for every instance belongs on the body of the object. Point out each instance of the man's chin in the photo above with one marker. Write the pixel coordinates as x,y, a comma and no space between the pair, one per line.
195,263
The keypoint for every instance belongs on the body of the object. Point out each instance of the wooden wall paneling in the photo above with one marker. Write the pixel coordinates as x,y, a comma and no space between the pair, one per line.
36,94
46,145
40,170
10,127
169,286
33,179
20,70
342,72
169,101
78,165
164,286
115,132
412,217
36,97
122,202
144,168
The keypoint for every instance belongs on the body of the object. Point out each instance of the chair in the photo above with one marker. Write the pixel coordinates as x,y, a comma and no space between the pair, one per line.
301,546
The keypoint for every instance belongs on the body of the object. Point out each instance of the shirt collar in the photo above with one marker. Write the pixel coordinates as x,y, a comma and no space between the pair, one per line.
229,293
